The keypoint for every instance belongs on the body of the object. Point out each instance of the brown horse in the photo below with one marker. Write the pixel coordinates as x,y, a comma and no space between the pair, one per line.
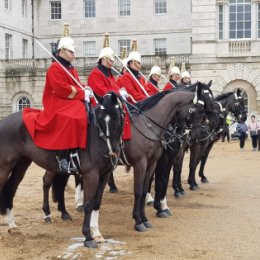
149,122
17,151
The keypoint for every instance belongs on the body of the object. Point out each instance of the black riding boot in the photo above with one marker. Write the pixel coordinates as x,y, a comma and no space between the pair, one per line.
65,165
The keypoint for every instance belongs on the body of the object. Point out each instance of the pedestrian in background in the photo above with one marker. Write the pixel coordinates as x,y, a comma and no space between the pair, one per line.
253,127
241,130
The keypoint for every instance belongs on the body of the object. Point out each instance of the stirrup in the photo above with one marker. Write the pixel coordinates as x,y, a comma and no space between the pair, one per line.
65,166
74,158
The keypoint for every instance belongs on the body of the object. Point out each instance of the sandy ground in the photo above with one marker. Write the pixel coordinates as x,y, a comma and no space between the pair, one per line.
219,221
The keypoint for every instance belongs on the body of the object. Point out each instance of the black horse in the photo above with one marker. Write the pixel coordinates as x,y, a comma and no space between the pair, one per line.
173,156
228,102
17,151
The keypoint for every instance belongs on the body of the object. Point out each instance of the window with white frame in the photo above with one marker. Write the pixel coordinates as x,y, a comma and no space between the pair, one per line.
89,48
160,46
258,20
25,48
124,44
124,7
239,19
220,22
23,102
160,6
55,10
8,4
8,46
89,8
24,8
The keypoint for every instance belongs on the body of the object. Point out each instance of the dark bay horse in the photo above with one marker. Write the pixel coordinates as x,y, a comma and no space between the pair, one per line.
149,122
146,145
229,102
17,151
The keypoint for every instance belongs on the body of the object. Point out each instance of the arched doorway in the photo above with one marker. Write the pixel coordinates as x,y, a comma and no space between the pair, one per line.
249,93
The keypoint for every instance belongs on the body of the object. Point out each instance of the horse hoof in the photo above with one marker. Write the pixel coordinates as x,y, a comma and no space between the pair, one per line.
80,209
99,239
113,190
183,193
90,244
140,227
66,217
14,230
204,180
168,212
48,220
148,224
162,214
178,195
149,203
194,187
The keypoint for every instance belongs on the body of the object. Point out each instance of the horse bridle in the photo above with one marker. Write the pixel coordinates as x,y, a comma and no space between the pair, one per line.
106,136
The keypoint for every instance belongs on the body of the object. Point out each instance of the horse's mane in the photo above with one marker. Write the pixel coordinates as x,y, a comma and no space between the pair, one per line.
223,96
151,101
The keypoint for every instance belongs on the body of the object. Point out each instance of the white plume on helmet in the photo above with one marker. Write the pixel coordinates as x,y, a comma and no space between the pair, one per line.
66,42
107,52
134,54
175,70
155,70
185,74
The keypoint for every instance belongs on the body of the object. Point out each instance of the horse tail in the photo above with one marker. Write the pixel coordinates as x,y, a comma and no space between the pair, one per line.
16,176
58,186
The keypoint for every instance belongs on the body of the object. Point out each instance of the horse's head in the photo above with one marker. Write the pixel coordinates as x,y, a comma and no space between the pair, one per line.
237,106
110,120
204,94
195,112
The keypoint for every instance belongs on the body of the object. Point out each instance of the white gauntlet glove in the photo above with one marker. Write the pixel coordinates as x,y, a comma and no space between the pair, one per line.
123,93
88,93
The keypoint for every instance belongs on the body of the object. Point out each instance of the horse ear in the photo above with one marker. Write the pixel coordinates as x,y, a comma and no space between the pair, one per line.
239,92
210,83
199,89
99,98
114,98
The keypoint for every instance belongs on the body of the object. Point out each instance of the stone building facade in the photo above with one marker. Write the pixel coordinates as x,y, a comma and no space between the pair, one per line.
217,39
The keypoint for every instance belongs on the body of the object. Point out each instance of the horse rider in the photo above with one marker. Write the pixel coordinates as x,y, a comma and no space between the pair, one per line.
102,80
62,124
154,78
132,80
174,79
185,78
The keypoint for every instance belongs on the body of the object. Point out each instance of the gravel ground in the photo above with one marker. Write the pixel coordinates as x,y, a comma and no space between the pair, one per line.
219,221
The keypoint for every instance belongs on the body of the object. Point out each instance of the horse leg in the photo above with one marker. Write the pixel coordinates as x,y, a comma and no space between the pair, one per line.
162,173
195,156
177,170
58,190
203,163
111,184
94,226
10,189
149,200
47,182
139,177
90,183
149,173
79,194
